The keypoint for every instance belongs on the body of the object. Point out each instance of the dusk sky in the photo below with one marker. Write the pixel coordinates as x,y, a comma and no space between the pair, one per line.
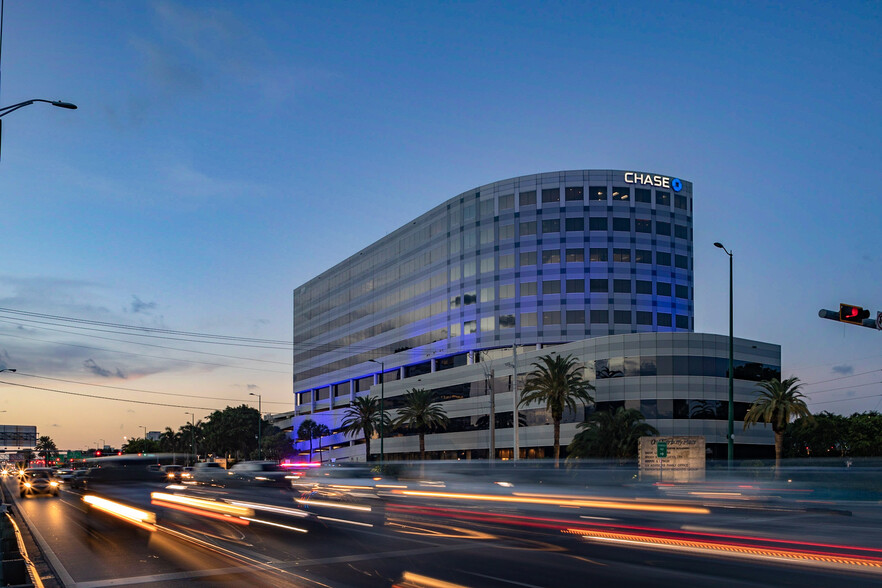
223,153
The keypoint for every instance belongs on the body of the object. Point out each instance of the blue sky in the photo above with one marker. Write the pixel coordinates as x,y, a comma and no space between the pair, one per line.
225,152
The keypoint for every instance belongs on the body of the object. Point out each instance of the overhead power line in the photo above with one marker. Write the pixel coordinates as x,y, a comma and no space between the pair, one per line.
106,397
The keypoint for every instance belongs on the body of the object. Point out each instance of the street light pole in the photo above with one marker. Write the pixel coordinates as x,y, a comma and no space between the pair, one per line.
382,397
731,433
259,423
7,109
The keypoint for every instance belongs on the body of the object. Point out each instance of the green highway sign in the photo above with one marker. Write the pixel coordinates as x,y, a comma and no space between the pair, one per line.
661,449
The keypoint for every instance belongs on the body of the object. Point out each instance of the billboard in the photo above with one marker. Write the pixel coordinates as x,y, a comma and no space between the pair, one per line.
17,436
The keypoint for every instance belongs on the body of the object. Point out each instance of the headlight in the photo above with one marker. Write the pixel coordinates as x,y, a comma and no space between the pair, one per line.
53,483
27,484
170,475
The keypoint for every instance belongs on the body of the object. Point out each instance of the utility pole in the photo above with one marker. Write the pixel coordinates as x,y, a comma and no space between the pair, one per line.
492,391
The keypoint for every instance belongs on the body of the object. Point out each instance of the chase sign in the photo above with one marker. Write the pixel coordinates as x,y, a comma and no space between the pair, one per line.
652,180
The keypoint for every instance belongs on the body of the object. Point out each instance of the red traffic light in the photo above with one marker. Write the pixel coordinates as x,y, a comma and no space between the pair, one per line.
849,313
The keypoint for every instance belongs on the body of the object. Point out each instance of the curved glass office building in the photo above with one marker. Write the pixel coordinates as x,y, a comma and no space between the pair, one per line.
530,261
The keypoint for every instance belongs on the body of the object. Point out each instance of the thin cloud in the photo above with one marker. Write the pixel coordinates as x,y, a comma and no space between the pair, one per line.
139,306
96,369
843,370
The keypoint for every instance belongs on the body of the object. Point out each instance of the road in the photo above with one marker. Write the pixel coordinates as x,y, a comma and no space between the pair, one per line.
433,540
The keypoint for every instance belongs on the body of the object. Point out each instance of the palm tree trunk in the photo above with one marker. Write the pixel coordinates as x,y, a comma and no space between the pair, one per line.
310,450
422,446
779,448
367,448
557,443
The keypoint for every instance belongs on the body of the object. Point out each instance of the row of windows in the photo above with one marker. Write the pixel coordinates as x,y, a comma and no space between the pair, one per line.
488,264
596,223
679,409
596,285
595,193
570,317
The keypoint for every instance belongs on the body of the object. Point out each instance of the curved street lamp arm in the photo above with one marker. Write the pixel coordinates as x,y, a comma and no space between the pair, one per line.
60,104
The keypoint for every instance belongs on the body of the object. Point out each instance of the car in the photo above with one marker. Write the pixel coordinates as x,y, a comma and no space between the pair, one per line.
263,473
172,472
75,482
209,472
187,473
36,481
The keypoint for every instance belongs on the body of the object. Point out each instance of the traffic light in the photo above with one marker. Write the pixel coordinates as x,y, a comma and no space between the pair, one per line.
852,314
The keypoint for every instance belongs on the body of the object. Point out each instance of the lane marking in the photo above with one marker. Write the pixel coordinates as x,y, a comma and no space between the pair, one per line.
499,579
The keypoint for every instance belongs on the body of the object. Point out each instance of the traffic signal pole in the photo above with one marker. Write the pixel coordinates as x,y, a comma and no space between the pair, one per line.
853,315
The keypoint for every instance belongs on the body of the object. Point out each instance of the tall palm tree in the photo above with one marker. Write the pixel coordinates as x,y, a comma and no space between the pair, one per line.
364,417
421,413
611,434
308,430
778,404
45,447
321,431
557,382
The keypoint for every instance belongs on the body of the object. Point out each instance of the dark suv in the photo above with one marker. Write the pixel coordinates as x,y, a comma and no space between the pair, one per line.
37,481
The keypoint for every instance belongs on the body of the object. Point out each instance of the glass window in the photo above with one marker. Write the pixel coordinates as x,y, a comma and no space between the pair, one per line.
506,232
575,317
643,225
621,224
622,286
649,408
622,317
529,319
680,231
622,255
574,193
662,258
528,289
455,330
469,298
323,393
575,286
469,240
486,208
470,327
468,269
528,228
551,256
506,321
506,291
599,317
680,201
643,256
644,287
487,265
640,195
304,397
664,319
551,317
681,261
599,285
487,235
506,202
363,384
528,258
682,291
644,317
550,195
528,198
551,225
487,294
662,198
469,211
575,224
455,273
506,261
551,287
575,255
488,323
663,289
663,228
597,224
621,193
597,193
598,254
682,321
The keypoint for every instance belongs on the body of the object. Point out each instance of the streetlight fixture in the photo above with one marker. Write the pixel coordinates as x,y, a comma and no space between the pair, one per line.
382,398
259,424
192,433
60,104
731,434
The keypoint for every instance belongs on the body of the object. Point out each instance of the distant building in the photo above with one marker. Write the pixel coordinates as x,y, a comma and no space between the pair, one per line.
597,263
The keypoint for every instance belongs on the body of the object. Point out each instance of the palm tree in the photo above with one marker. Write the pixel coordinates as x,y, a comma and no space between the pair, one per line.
364,417
45,447
611,434
321,431
421,413
778,404
307,430
556,381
